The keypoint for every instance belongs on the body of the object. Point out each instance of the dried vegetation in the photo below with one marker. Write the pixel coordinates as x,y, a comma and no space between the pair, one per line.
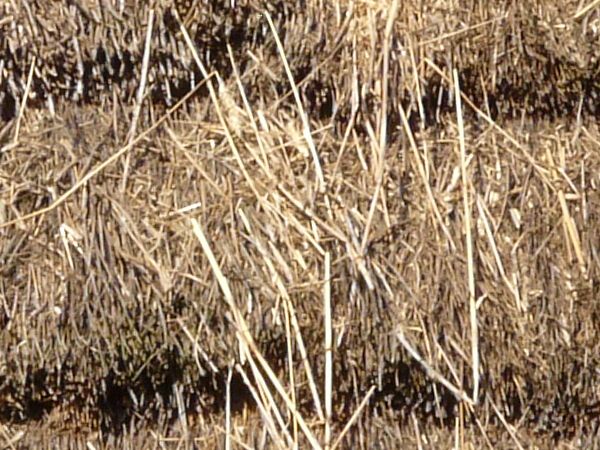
353,224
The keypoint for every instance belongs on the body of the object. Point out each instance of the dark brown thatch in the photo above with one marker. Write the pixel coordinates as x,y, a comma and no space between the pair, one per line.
120,329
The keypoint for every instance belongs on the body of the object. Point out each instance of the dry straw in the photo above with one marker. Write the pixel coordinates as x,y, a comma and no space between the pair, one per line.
346,225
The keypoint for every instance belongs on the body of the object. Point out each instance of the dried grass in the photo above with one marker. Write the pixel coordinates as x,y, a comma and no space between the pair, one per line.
362,224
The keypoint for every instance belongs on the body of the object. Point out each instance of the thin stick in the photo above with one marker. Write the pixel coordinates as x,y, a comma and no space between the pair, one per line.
215,100
181,412
288,340
103,165
288,313
228,411
6,20
303,115
392,12
542,171
304,355
415,70
24,101
373,205
179,145
469,240
423,174
11,441
586,9
264,162
446,36
354,100
383,122
294,321
354,417
431,372
262,408
488,231
572,231
244,333
417,432
328,350
140,95
505,423
267,396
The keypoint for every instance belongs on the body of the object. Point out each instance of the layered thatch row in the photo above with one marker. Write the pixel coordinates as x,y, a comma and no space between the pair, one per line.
524,57
113,316
114,319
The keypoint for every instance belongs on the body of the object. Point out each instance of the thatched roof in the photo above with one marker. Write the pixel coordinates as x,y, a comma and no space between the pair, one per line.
172,246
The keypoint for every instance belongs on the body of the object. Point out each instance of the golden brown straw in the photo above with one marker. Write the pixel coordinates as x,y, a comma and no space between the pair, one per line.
249,224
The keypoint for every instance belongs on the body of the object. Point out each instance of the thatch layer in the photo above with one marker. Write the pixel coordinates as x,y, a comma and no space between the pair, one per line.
523,57
116,321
